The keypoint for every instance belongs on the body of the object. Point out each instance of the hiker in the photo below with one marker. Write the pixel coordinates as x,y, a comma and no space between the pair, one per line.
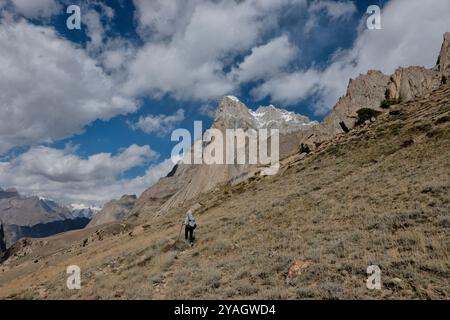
190,226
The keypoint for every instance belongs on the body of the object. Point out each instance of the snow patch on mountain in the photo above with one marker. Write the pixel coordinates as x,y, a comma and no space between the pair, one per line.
80,210
270,117
235,99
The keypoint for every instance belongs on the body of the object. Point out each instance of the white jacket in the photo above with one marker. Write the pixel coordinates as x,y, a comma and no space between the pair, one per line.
190,220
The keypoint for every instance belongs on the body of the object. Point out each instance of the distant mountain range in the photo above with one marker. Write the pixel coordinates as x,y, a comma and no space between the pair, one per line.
23,216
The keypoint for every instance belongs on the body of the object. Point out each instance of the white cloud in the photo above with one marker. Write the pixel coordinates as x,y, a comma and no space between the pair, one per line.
161,18
62,175
115,55
266,60
51,89
160,124
288,87
60,166
96,16
189,44
95,30
409,26
36,8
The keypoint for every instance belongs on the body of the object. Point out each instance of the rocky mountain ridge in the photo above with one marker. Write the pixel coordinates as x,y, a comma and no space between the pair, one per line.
371,89
23,216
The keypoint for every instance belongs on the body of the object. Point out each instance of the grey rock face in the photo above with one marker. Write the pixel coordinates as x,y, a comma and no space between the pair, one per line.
443,65
366,91
369,90
412,82
233,114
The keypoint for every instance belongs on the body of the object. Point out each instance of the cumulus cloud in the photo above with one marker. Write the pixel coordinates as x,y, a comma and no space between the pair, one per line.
63,175
160,124
189,44
160,19
51,89
409,26
36,9
288,87
266,60
97,16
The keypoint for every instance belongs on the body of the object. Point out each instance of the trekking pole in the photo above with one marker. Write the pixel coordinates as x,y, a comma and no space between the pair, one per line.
179,234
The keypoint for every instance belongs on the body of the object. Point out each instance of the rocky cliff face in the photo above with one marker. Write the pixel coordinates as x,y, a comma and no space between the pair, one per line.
367,90
371,89
412,82
34,217
114,210
443,65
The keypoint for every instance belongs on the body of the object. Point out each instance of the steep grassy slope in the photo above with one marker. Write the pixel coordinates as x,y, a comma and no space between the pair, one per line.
378,195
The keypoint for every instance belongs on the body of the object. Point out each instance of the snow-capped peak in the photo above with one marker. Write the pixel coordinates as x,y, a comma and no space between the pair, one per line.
272,117
235,99
80,210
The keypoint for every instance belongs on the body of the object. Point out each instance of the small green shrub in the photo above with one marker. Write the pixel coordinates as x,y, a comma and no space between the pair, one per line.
366,114
389,102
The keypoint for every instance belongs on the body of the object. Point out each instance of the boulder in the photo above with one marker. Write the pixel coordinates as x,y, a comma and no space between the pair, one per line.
297,268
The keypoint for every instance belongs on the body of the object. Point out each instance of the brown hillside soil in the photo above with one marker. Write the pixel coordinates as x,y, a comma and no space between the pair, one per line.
378,195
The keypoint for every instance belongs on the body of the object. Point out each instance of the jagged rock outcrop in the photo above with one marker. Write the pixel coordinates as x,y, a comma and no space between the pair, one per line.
234,114
34,217
443,64
369,90
366,91
412,82
114,210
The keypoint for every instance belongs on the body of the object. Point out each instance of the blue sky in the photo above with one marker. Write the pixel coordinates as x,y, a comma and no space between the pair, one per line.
88,113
